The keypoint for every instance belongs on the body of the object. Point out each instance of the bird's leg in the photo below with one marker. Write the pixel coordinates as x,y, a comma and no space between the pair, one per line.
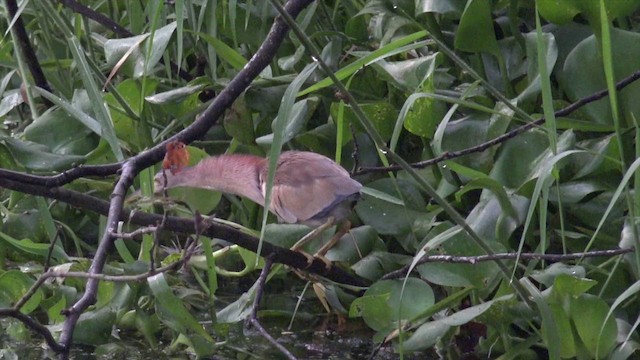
310,236
313,234
344,228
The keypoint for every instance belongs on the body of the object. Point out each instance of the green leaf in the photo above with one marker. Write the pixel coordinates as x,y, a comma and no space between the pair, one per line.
567,285
114,50
563,11
388,217
238,310
583,75
374,310
13,286
388,50
100,109
224,51
94,327
382,115
475,32
405,301
171,311
440,6
300,113
597,331
61,133
410,75
29,247
429,333
421,115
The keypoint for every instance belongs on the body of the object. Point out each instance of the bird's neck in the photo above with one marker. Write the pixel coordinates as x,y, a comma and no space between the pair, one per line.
235,174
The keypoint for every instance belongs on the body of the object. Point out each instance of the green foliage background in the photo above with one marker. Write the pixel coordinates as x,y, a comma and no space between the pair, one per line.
431,78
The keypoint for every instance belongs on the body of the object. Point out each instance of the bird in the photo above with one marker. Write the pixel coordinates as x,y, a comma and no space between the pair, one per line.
308,188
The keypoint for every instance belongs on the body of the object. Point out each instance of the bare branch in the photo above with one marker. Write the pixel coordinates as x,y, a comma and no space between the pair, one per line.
35,326
507,256
186,226
253,318
27,50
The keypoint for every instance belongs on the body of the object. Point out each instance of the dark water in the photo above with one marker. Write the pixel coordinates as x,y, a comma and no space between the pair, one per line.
326,338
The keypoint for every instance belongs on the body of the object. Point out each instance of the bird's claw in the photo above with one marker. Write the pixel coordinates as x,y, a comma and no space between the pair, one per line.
327,263
311,258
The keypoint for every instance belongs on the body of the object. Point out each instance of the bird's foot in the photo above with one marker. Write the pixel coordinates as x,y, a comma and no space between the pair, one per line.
311,258
327,263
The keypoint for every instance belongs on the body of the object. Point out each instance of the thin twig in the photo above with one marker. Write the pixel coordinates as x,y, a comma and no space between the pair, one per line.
27,50
102,277
506,136
253,318
47,261
506,256
136,233
35,326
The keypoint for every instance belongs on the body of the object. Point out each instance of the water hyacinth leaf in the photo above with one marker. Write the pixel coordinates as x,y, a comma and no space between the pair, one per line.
568,285
583,74
377,263
171,311
457,243
597,331
38,158
409,75
238,310
426,336
13,285
396,219
561,12
94,327
385,51
563,324
408,298
421,114
175,95
381,195
440,6
296,121
475,33
10,100
465,132
61,133
517,158
88,121
548,275
39,249
631,291
496,188
382,114
429,333
285,235
238,121
374,310
533,73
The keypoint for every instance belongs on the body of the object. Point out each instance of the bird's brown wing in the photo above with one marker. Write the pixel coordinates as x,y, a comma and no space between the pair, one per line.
307,184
